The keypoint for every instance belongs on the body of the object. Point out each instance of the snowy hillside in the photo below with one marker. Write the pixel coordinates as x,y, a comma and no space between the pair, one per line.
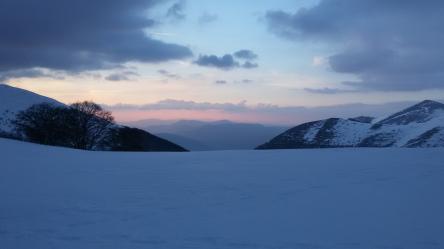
13,100
421,125
418,126
308,199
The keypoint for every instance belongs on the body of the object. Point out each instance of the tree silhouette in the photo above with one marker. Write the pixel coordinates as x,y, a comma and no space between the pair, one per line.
83,125
91,124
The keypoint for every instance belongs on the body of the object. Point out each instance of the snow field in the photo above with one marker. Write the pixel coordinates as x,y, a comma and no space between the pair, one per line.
332,198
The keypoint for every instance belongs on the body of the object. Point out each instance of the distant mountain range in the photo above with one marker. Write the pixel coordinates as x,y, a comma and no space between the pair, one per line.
421,125
13,100
218,135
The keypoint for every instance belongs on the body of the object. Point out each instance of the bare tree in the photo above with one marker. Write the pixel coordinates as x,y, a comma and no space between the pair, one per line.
92,125
43,123
83,125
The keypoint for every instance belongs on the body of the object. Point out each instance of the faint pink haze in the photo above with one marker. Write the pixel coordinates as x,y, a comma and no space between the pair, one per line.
207,115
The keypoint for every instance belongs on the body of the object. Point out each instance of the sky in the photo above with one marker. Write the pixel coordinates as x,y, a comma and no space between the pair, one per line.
252,61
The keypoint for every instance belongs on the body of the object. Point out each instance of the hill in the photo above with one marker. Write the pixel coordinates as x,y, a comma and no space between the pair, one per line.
421,125
14,100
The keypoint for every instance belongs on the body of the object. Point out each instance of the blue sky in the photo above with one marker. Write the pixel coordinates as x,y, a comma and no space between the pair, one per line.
302,53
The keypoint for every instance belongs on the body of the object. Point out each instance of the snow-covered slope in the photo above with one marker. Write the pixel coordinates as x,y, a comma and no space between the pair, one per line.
359,198
421,125
333,132
13,100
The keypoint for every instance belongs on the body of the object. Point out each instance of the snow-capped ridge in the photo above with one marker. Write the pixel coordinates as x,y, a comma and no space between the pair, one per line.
332,132
421,125
420,113
363,119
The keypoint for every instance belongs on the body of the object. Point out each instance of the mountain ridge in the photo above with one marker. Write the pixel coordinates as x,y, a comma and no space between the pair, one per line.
199,135
420,125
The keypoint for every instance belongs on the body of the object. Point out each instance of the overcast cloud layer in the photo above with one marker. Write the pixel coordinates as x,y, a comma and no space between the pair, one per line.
79,35
388,45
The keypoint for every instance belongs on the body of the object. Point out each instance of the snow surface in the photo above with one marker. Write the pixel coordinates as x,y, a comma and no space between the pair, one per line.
331,198
403,133
436,138
13,100
313,131
346,132
349,133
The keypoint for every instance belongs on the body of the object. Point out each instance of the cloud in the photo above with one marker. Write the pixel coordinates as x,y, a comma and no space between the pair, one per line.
29,73
228,61
225,62
244,81
245,54
172,104
176,11
328,90
249,65
168,74
388,45
264,113
207,18
81,35
122,76
117,77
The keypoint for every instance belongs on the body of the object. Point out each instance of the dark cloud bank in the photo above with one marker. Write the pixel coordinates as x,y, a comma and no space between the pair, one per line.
389,45
245,54
240,59
121,76
78,35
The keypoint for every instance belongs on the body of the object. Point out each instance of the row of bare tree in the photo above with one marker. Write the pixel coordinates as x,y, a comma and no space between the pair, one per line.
83,125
